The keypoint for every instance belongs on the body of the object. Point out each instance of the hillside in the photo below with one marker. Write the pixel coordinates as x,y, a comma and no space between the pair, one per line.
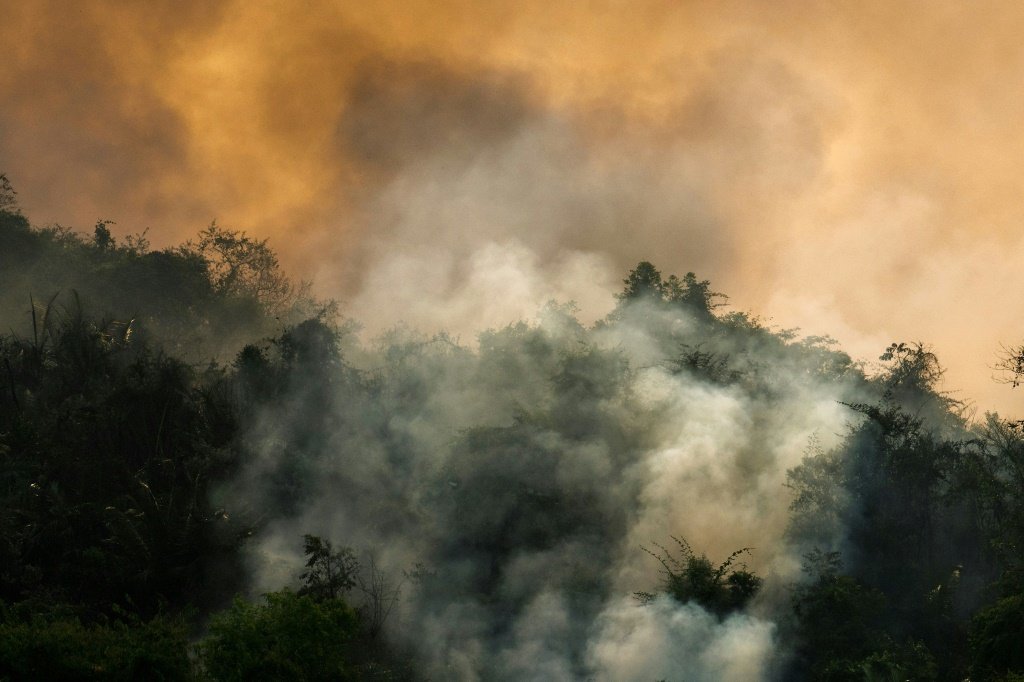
675,492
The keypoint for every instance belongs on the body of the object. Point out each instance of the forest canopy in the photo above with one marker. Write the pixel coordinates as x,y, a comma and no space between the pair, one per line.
206,474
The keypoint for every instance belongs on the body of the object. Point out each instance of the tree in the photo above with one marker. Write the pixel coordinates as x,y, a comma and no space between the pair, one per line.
687,577
912,377
111,449
692,294
838,619
287,637
997,637
58,646
328,573
643,282
102,238
707,365
241,266
841,631
1011,365
8,197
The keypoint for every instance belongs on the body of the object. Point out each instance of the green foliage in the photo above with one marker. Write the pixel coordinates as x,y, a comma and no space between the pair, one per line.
110,452
691,293
997,638
310,346
328,573
644,283
687,577
838,618
61,647
920,504
841,631
708,365
993,482
301,377
204,299
287,637
115,445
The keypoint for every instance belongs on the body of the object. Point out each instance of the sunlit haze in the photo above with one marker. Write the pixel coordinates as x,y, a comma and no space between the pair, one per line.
849,169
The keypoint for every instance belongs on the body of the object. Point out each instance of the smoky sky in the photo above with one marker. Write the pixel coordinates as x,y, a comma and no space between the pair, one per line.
845,168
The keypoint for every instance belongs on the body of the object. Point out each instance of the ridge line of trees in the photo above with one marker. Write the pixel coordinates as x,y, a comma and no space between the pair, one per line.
121,441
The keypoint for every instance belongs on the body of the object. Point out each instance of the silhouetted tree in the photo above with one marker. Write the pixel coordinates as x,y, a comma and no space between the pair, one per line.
693,295
102,238
241,266
841,633
329,573
643,282
8,197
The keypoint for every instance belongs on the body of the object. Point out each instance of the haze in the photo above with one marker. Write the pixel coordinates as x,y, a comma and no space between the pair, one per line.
845,168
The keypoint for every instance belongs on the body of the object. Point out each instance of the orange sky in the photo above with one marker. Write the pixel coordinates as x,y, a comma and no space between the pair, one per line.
848,167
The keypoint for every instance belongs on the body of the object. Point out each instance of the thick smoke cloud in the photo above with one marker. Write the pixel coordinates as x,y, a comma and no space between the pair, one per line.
524,476
849,170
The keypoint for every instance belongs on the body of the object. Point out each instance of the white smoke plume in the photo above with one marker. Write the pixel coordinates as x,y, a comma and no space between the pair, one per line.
523,475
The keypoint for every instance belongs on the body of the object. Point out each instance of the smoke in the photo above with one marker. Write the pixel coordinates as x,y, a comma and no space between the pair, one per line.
524,474
453,166
666,641
752,144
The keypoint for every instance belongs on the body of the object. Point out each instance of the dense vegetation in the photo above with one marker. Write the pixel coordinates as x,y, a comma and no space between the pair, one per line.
164,412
